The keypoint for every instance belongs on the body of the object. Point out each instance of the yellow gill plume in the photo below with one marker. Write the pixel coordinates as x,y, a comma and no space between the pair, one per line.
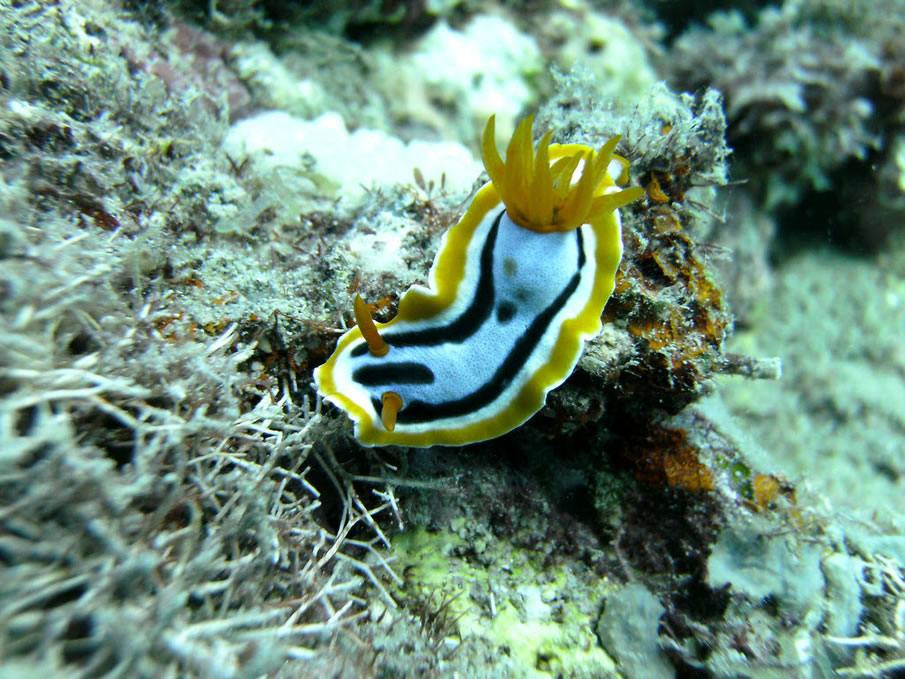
542,197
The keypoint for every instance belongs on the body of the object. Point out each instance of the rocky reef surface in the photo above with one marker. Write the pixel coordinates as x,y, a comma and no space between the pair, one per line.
192,193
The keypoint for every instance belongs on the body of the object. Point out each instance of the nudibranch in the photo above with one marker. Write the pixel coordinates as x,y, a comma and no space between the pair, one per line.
517,287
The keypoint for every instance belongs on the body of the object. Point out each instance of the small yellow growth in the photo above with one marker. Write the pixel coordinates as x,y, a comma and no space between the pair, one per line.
655,193
540,195
376,344
766,490
392,404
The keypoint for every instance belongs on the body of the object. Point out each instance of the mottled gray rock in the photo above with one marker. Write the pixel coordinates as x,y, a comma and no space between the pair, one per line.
628,631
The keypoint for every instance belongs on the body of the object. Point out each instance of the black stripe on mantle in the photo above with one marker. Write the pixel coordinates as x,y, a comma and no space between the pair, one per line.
468,322
459,330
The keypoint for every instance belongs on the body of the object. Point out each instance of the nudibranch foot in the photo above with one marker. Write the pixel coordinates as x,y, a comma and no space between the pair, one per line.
517,287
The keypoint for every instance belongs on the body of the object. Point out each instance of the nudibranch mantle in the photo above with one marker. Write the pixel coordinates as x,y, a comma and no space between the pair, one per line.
516,288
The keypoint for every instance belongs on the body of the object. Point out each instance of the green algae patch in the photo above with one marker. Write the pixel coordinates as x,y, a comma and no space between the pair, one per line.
537,616
565,648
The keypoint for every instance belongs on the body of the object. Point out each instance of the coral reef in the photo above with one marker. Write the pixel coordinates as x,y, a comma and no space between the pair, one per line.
313,73
668,298
277,141
486,67
582,36
156,505
814,98
176,501
842,397
816,90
